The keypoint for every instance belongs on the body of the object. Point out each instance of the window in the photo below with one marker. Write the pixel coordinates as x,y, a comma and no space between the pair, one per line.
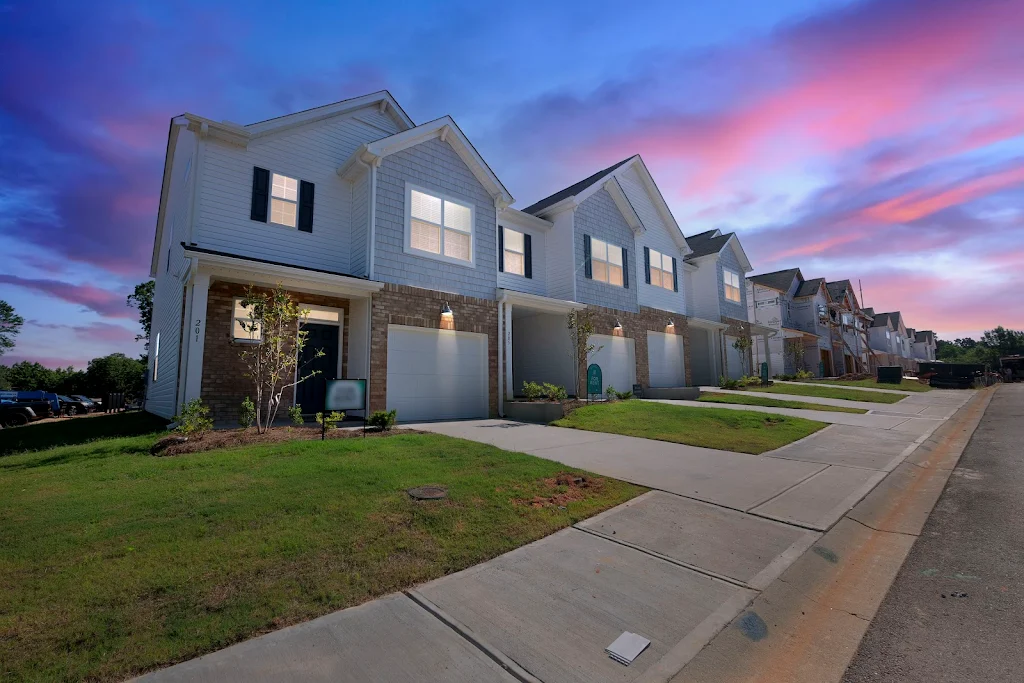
440,227
284,200
156,356
732,286
515,252
661,270
241,324
606,262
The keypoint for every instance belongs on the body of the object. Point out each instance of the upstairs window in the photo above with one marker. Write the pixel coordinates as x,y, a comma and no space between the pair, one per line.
662,272
514,252
606,262
242,324
439,227
732,286
284,200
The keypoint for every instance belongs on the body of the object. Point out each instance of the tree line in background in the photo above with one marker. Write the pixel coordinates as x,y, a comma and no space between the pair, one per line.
993,345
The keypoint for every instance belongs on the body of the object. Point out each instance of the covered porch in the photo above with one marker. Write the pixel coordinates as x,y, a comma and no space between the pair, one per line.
213,337
705,351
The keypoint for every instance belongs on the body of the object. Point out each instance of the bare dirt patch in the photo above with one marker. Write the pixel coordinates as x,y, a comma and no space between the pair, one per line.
562,489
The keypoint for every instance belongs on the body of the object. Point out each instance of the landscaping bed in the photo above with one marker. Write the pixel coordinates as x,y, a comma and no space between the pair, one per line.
730,430
712,397
116,562
234,438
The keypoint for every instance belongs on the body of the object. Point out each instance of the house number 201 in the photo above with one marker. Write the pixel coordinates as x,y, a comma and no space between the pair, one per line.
199,325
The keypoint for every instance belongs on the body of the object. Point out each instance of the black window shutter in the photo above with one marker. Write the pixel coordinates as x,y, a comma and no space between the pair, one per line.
625,268
647,265
501,249
675,275
260,194
528,255
587,270
306,206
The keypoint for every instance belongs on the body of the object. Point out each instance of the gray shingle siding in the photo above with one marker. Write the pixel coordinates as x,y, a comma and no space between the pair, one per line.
433,165
727,261
599,217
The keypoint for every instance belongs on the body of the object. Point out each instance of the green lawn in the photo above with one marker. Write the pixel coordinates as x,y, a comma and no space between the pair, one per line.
75,430
115,562
712,397
731,430
904,385
830,392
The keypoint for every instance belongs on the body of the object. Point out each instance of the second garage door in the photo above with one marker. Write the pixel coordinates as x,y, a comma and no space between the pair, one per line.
617,359
665,357
436,374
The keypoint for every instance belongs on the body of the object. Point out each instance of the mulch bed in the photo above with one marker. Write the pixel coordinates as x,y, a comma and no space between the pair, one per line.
231,438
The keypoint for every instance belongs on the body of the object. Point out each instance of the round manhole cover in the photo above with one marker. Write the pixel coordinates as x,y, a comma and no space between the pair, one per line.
429,492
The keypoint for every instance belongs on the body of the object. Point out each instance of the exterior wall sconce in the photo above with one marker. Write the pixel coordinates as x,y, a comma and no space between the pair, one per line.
617,330
671,323
618,325
447,317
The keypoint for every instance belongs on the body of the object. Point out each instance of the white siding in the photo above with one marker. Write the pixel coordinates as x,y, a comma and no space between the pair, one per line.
657,237
360,225
538,283
161,395
561,267
312,153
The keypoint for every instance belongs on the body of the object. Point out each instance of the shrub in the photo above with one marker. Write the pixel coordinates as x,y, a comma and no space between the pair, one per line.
612,393
750,380
247,413
331,420
728,383
532,391
383,419
804,374
295,415
554,392
194,419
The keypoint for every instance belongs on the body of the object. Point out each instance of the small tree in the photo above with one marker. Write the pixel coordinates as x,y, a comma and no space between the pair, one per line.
581,328
272,363
795,352
10,326
142,299
743,344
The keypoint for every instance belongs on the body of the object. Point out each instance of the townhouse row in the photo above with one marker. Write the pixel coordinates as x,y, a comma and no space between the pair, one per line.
419,275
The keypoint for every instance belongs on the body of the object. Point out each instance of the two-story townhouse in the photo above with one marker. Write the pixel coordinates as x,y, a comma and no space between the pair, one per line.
797,308
924,346
888,337
716,280
385,231
850,325
610,244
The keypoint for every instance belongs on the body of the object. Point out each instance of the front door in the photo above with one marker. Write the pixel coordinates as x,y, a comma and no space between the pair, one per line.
826,363
310,394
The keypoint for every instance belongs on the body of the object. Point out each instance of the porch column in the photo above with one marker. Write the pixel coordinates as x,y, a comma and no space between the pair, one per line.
509,388
359,343
196,331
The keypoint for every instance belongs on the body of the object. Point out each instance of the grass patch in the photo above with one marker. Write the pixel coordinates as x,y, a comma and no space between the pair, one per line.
831,392
115,562
711,397
78,430
730,430
904,385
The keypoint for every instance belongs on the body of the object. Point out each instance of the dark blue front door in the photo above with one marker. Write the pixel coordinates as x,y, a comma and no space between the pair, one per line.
310,394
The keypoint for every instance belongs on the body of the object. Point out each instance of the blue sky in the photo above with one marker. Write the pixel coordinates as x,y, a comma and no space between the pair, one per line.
879,140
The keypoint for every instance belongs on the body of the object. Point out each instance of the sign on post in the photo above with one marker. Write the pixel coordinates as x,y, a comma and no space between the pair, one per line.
594,380
343,394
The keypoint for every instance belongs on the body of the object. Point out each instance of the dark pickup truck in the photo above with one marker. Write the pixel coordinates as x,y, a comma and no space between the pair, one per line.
17,413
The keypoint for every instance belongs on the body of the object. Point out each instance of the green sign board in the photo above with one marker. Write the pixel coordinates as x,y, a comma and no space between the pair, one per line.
764,374
594,379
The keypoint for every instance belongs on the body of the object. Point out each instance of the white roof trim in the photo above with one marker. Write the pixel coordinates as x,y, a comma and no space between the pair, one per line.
444,128
625,208
165,187
381,99
705,324
526,220
740,253
541,303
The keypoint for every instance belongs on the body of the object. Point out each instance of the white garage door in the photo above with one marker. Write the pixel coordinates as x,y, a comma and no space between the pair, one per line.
617,359
665,357
436,374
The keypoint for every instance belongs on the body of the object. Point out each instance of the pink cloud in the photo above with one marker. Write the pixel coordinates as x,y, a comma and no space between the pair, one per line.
924,202
102,301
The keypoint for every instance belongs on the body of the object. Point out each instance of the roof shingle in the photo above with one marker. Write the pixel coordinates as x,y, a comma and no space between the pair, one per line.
780,279
572,190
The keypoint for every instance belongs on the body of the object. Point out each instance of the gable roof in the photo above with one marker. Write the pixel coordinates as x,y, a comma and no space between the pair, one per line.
838,289
925,336
572,190
809,287
448,131
881,319
870,312
780,279
713,242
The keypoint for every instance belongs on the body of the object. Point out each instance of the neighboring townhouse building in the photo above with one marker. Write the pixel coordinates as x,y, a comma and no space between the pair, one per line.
850,326
799,310
716,274
418,275
888,336
924,346
611,245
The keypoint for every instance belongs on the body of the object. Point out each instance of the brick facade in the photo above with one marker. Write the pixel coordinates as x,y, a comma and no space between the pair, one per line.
224,382
415,307
635,326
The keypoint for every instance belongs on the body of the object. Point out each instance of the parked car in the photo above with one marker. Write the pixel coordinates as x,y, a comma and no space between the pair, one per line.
93,405
17,413
70,405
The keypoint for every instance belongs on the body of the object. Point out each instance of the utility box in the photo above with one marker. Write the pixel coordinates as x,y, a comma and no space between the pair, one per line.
890,374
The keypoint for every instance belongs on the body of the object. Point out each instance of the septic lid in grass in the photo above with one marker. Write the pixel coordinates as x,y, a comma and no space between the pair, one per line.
429,492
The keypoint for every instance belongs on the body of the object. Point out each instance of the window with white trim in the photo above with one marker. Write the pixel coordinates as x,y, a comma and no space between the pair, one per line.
606,262
156,357
284,200
241,324
731,282
439,226
661,270
515,252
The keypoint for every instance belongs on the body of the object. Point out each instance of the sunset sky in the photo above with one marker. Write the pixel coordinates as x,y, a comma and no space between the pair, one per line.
876,140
